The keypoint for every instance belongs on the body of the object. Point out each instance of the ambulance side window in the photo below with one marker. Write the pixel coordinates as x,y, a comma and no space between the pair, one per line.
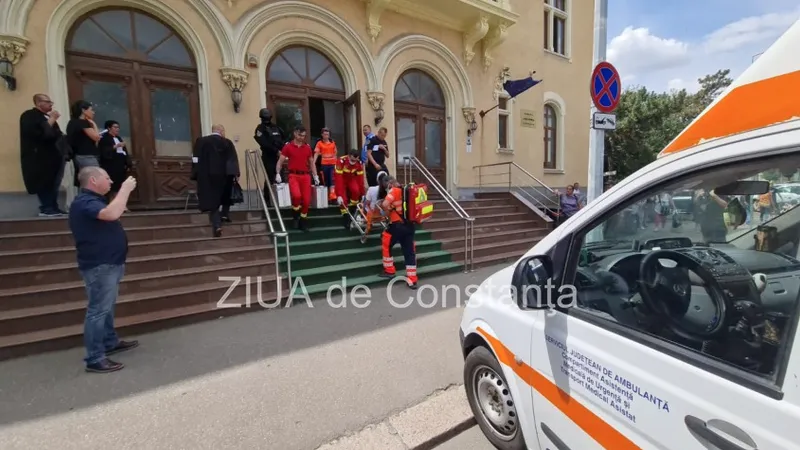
708,262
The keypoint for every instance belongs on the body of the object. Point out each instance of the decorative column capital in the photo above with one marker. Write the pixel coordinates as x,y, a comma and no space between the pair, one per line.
469,114
12,48
235,79
376,100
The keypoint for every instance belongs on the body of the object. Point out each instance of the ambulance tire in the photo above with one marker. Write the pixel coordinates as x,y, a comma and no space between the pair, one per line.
482,369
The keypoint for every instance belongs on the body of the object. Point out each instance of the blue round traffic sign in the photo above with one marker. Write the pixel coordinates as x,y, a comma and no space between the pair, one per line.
606,87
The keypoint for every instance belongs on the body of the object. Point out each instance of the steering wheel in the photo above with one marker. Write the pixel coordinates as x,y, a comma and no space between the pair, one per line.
668,291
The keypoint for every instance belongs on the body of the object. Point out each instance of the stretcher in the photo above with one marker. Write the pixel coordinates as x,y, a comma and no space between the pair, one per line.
369,221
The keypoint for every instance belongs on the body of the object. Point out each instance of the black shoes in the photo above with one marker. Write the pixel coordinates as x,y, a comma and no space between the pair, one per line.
122,346
107,365
104,366
346,221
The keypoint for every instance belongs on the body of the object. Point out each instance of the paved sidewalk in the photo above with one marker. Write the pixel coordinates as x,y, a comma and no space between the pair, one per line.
285,379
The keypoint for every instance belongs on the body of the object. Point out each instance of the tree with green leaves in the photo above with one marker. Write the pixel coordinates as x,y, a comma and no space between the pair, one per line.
647,121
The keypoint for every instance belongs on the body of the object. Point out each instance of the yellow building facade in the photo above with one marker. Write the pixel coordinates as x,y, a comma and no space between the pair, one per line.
167,71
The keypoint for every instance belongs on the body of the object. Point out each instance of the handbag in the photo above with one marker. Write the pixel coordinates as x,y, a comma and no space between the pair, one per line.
237,195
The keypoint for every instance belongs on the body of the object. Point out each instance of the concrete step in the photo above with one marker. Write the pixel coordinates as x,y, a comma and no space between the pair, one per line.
62,255
27,320
152,281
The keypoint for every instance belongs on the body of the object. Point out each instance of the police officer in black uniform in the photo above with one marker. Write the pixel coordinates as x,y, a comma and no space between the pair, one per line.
271,140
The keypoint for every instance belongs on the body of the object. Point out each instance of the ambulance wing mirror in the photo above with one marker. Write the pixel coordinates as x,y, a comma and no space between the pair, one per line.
531,280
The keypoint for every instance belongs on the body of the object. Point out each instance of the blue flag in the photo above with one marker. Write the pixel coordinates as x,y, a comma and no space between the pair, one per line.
516,87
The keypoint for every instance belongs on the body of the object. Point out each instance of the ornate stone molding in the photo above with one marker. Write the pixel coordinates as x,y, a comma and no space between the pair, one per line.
235,79
501,78
469,114
374,10
376,100
474,35
12,48
496,36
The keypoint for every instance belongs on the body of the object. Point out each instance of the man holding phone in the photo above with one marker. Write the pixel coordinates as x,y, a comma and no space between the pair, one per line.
102,248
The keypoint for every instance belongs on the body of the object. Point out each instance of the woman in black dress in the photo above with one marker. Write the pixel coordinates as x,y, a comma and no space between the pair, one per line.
114,157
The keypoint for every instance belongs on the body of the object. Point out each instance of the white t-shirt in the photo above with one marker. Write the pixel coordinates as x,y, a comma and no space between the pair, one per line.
372,197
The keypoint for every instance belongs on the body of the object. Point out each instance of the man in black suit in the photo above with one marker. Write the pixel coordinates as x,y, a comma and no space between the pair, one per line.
215,166
41,157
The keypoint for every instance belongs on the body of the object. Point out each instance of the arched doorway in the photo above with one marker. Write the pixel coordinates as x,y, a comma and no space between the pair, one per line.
305,87
136,70
419,111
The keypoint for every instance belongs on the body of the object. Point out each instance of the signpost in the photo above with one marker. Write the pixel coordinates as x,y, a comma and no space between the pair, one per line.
606,87
604,121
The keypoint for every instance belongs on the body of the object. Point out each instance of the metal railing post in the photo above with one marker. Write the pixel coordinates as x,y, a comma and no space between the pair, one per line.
509,178
252,169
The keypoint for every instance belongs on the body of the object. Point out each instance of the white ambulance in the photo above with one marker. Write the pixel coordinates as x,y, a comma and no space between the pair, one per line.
635,325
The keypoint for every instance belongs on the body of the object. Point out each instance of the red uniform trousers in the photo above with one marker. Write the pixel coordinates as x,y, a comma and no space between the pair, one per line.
402,233
351,193
300,191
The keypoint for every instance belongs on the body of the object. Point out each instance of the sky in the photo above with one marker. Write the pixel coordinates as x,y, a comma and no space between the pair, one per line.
669,45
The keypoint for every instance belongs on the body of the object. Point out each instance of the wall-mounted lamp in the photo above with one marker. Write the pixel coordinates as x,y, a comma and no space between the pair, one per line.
236,80
7,74
236,96
376,101
473,127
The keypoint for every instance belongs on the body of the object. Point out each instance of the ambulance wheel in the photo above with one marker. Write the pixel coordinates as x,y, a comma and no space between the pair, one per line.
490,400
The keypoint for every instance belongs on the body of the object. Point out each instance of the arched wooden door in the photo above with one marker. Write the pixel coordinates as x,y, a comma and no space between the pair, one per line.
420,112
138,71
305,87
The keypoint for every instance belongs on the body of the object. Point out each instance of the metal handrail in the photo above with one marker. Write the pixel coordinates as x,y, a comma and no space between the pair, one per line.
469,221
513,182
253,162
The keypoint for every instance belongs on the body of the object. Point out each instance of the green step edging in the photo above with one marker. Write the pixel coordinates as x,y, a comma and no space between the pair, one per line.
337,241
348,255
313,290
334,273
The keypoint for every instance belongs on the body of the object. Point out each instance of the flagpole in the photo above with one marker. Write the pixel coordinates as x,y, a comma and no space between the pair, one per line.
597,137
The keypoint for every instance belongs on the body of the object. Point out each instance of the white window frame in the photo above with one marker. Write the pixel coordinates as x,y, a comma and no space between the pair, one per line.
552,13
509,114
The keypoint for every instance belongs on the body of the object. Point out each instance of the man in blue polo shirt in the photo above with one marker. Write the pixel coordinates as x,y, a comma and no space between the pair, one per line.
102,247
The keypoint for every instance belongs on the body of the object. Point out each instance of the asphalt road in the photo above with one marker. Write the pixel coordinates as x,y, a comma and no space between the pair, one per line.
472,439
282,379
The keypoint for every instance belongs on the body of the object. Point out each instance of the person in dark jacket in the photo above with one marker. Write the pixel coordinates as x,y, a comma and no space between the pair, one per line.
215,167
270,139
377,152
42,154
114,158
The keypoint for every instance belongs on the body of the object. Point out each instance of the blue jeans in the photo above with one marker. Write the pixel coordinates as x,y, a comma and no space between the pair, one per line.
327,171
102,287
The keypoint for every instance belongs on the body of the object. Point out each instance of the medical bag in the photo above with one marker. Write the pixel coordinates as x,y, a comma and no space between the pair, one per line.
416,206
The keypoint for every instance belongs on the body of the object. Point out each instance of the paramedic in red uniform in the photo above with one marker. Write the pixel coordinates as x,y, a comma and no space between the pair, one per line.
399,231
301,170
349,176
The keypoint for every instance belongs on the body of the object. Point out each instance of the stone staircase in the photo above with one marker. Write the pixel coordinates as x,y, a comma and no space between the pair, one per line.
174,265
172,276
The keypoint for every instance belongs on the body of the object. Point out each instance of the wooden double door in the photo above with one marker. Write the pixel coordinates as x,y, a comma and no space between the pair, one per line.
420,132
158,111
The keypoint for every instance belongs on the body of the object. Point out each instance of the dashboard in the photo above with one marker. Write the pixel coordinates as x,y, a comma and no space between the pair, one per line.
610,282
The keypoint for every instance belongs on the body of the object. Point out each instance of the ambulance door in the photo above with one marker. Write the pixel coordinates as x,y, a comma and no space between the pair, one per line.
608,373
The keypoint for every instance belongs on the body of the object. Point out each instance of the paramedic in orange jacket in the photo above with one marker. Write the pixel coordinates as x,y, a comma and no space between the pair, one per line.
326,149
399,231
301,170
349,175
